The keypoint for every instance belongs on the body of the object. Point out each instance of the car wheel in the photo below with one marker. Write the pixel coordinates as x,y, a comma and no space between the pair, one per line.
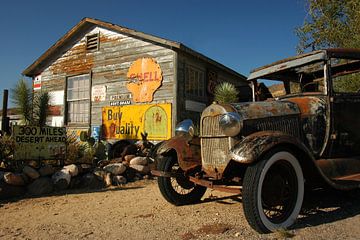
178,190
273,191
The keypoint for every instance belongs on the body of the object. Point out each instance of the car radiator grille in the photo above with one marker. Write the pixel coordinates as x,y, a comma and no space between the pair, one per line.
215,145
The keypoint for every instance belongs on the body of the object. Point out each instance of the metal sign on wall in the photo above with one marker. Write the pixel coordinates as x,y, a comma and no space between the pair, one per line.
145,77
127,122
33,143
37,82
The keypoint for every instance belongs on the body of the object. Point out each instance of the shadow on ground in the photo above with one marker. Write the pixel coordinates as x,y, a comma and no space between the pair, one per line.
75,191
320,206
327,206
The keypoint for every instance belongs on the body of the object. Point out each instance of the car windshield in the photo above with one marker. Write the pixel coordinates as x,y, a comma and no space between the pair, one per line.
304,79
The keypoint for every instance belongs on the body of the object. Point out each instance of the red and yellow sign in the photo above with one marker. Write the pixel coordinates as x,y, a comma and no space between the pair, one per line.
127,122
145,77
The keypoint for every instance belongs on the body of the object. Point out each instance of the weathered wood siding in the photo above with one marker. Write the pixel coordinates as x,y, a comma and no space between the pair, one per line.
185,60
108,66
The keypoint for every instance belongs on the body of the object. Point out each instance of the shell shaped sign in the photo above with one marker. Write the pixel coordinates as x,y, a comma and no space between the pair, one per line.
145,77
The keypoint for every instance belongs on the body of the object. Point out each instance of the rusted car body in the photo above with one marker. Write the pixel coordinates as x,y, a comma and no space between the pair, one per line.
305,135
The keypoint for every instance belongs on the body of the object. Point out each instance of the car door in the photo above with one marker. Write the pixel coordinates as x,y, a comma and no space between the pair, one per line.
345,115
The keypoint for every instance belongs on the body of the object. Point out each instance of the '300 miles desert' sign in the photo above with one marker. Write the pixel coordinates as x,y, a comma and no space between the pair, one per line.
37,143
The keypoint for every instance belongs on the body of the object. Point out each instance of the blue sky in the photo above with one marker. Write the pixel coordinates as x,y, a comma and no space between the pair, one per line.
239,34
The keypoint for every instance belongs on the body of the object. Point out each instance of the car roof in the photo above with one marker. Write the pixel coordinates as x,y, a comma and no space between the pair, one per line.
303,59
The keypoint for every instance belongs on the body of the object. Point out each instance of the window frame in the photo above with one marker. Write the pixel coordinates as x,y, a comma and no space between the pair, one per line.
86,99
199,79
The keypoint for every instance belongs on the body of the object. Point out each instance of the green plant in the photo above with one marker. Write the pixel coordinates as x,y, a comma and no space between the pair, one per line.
22,98
226,93
34,109
7,145
41,108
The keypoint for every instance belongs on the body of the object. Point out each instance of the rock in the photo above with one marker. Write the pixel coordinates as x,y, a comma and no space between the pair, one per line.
31,172
75,182
107,180
115,168
127,158
139,161
41,186
118,180
72,169
99,173
115,160
148,177
152,166
103,176
8,191
103,163
129,174
46,170
85,168
61,179
14,179
33,164
141,169
91,181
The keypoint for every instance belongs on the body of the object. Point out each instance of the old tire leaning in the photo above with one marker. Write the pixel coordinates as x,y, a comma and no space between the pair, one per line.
273,191
178,190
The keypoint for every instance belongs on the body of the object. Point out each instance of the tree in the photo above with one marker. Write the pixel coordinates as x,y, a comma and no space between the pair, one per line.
34,109
226,93
330,23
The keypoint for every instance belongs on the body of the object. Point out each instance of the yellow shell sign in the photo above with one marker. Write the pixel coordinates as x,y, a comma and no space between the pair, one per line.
145,77
127,122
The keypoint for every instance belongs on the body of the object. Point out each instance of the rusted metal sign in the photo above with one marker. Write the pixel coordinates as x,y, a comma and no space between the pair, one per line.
98,93
37,82
34,143
127,122
145,77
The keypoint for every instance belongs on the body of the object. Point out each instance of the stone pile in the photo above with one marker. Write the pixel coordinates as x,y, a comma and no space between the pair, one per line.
47,179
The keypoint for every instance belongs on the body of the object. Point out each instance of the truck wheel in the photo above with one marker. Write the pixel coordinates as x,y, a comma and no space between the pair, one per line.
178,190
273,191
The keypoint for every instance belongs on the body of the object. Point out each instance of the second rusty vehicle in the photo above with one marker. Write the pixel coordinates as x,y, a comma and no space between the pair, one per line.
306,135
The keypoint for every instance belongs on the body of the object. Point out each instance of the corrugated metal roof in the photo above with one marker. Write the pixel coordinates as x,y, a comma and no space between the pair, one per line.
88,23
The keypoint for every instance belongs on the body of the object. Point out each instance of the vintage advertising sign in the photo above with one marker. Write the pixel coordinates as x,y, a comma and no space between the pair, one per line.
37,82
127,122
145,77
98,93
36,143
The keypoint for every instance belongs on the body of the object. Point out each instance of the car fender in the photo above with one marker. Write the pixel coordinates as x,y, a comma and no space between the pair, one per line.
249,149
187,149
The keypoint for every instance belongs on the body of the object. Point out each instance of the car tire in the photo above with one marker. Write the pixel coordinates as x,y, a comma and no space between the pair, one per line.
273,191
178,190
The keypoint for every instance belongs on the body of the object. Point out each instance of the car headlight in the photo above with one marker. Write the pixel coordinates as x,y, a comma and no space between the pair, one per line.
230,123
185,126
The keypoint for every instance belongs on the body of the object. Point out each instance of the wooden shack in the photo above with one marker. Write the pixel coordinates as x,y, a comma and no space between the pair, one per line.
120,82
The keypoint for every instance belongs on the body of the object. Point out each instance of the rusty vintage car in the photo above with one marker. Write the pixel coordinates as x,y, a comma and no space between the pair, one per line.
307,134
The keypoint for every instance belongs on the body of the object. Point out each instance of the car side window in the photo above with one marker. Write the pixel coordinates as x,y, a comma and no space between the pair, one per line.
349,83
345,75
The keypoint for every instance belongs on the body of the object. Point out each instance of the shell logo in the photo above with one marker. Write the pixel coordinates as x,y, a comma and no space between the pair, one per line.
145,77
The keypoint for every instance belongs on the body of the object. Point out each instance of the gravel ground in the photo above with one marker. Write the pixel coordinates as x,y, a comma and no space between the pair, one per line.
138,211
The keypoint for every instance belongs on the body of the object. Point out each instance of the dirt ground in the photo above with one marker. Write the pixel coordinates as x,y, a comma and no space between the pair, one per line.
138,211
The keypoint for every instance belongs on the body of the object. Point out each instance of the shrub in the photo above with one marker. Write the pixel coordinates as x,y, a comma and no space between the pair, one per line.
226,93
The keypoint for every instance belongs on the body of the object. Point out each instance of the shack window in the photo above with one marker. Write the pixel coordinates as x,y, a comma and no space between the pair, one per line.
194,82
78,99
